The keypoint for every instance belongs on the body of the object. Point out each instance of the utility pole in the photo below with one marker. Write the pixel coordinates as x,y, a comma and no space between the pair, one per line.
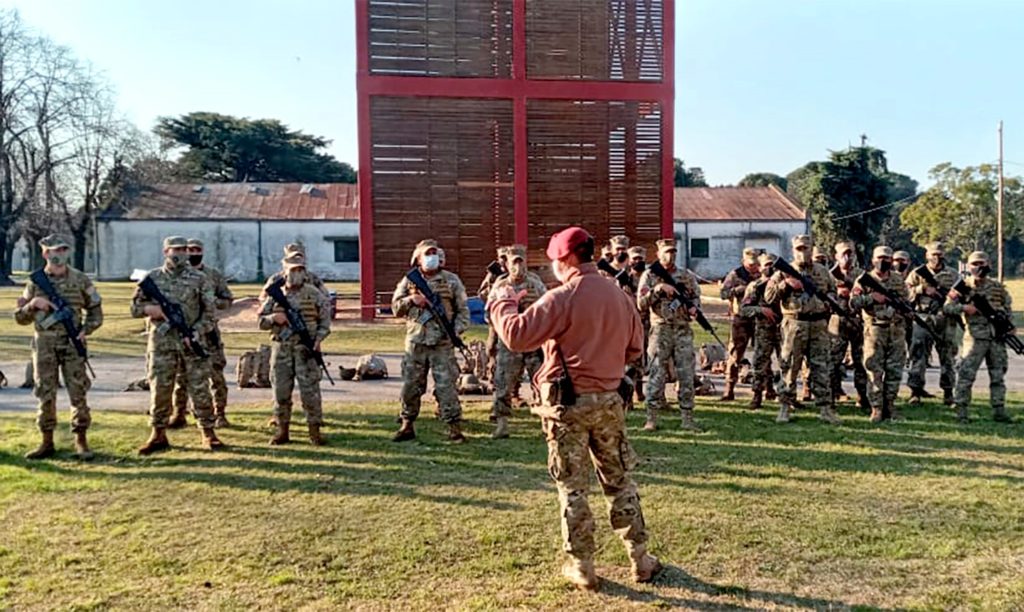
999,205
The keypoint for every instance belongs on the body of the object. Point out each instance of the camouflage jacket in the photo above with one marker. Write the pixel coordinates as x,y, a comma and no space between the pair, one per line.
871,311
976,325
799,302
734,288
311,279
531,283
188,288
421,327
310,302
754,301
77,290
916,285
221,292
664,309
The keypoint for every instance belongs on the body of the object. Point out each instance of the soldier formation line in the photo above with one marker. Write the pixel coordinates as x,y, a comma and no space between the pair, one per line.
611,330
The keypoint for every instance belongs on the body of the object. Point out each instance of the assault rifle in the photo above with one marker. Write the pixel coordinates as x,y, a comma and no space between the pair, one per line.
620,276
495,269
297,325
683,298
840,277
62,313
809,287
901,305
1000,320
929,279
174,314
436,309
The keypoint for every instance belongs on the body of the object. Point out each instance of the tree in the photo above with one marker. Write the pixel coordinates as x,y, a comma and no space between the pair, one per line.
960,208
688,177
763,179
222,148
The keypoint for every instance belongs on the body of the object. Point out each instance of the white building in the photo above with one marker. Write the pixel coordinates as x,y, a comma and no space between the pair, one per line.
244,227
714,225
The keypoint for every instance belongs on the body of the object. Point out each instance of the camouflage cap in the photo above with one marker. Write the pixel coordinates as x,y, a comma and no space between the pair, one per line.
292,261
619,242
750,255
767,259
881,251
802,240
934,247
194,242
901,255
421,246
173,242
666,244
977,256
637,251
55,241
817,252
294,247
845,246
516,251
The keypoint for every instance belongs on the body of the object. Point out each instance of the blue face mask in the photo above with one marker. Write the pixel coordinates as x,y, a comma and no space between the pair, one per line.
431,262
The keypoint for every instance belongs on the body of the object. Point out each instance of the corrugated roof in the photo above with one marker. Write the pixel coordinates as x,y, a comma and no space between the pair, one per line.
296,201
735,204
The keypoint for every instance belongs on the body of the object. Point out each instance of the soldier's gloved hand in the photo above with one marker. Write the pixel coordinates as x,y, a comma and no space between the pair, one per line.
666,289
154,312
878,297
40,303
419,300
280,318
316,345
795,283
970,309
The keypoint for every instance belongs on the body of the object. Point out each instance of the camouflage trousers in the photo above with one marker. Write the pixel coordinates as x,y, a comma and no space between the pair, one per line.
885,352
742,332
163,365
218,385
975,352
291,363
420,359
508,372
852,337
805,340
593,432
921,348
669,345
54,354
767,341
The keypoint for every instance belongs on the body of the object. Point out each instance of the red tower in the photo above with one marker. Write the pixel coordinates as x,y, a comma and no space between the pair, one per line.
487,122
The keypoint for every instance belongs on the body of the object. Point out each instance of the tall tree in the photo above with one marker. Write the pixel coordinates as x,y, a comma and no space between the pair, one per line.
222,148
688,177
763,179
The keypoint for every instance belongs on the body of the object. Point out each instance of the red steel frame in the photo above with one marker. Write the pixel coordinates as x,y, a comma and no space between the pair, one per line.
519,88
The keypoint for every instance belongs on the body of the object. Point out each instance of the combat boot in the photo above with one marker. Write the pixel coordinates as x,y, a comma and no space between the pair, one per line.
314,436
157,442
770,393
82,450
455,433
865,404
915,397
222,420
961,415
947,397
755,402
689,424
405,432
45,448
645,565
728,395
828,415
895,415
500,428
178,421
640,393
783,416
999,415
580,572
876,415
281,437
651,424
210,440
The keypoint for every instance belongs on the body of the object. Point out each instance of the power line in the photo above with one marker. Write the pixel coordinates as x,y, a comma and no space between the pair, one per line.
871,210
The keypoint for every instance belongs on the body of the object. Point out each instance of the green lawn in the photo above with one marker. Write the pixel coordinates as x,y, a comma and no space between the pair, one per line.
748,515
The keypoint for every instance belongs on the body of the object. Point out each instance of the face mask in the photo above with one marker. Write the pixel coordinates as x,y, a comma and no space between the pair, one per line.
517,269
58,259
177,261
640,266
883,265
902,267
981,271
296,278
195,260
622,257
431,262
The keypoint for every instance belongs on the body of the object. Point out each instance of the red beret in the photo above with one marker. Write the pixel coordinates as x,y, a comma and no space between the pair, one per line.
565,242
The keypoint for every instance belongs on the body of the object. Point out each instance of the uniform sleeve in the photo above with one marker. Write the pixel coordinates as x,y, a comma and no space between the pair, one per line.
733,287
528,330
1007,300
223,293
266,316
645,291
323,319
460,307
485,287
25,314
139,302
776,290
539,286
93,307
861,298
694,288
915,286
635,348
401,299
320,285
208,304
749,307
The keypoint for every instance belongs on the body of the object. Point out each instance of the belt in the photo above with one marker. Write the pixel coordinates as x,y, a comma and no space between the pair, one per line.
811,316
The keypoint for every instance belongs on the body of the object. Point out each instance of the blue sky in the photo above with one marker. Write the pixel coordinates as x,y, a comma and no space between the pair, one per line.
760,86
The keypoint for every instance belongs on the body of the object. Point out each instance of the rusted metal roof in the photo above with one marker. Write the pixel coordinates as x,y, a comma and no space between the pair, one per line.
291,201
735,204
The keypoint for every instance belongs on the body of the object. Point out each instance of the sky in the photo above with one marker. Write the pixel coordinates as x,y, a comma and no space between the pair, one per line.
760,86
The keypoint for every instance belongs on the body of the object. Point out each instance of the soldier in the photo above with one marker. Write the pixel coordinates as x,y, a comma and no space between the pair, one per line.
290,360
608,255
928,302
218,360
620,251
638,369
482,292
734,287
53,350
427,346
847,332
804,330
293,248
589,331
819,256
510,365
901,263
884,346
671,339
767,336
167,351
980,344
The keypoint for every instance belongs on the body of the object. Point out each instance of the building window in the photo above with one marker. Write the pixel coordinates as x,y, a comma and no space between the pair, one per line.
700,248
346,250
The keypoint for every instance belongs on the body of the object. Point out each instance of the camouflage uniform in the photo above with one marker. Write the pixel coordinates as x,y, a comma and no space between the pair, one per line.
901,263
311,278
884,345
483,292
428,347
671,339
767,335
847,332
980,345
734,287
638,370
166,350
510,365
290,361
930,309
804,333
52,351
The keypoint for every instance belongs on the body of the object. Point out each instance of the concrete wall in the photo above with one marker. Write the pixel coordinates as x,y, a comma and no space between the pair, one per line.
233,246
727,239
